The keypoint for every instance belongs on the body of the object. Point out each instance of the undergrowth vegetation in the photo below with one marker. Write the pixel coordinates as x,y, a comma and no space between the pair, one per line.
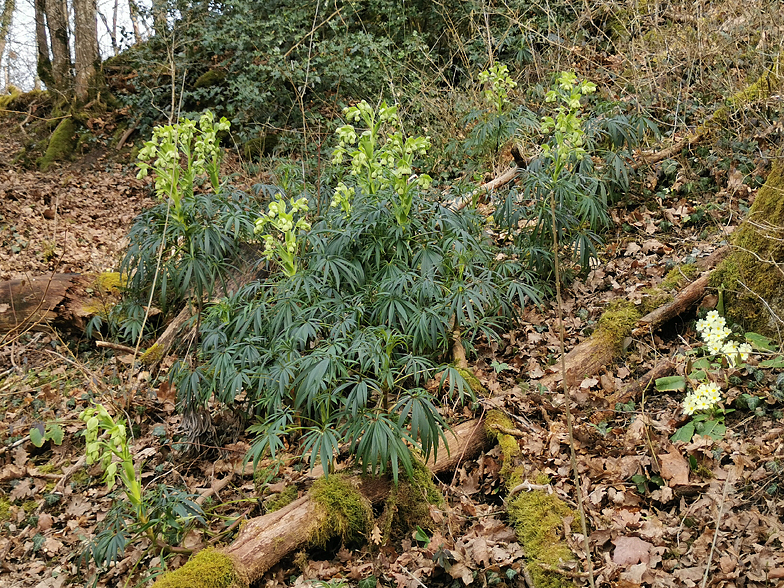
370,288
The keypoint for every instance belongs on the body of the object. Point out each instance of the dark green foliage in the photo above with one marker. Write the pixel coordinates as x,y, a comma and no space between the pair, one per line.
342,351
198,248
582,195
271,56
168,512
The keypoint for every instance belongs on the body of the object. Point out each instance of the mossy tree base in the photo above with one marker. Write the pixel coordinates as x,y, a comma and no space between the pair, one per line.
61,144
751,277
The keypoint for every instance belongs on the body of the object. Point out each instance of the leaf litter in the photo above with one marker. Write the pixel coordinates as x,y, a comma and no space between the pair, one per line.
658,511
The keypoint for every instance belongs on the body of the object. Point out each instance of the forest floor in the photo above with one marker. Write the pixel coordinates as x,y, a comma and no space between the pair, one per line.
660,513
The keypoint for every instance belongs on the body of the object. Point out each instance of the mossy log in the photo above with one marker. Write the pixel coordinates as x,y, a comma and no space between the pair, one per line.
763,88
64,301
315,517
537,514
751,277
622,320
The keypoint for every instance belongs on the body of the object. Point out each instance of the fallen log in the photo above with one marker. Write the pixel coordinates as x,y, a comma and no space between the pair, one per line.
600,350
264,541
507,176
43,302
764,87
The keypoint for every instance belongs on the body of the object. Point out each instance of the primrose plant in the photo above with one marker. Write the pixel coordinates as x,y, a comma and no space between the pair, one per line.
705,403
381,157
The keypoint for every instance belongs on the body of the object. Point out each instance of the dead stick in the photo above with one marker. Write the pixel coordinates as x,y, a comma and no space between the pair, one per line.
115,346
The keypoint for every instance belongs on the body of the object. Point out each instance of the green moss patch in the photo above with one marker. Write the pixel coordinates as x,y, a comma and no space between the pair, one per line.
472,381
496,422
209,78
678,277
61,144
209,568
409,503
5,509
152,356
617,322
285,498
538,519
345,512
742,276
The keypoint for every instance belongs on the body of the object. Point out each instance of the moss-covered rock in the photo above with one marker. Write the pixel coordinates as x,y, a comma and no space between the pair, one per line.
209,78
209,568
61,144
345,513
751,274
496,423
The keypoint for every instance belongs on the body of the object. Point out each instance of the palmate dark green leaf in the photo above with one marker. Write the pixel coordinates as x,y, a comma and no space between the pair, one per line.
379,442
269,435
453,381
427,330
417,411
113,536
323,444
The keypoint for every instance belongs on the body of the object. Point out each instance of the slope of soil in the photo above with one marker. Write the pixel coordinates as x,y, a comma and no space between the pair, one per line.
660,513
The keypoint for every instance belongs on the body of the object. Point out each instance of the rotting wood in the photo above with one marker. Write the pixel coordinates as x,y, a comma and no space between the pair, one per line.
40,302
263,541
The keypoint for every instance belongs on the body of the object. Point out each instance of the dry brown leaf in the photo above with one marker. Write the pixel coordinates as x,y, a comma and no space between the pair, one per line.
22,490
12,472
674,468
461,571
630,551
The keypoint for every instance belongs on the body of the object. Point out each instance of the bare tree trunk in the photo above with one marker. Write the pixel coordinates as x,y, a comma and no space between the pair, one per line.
5,29
44,66
134,12
57,22
159,11
86,47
